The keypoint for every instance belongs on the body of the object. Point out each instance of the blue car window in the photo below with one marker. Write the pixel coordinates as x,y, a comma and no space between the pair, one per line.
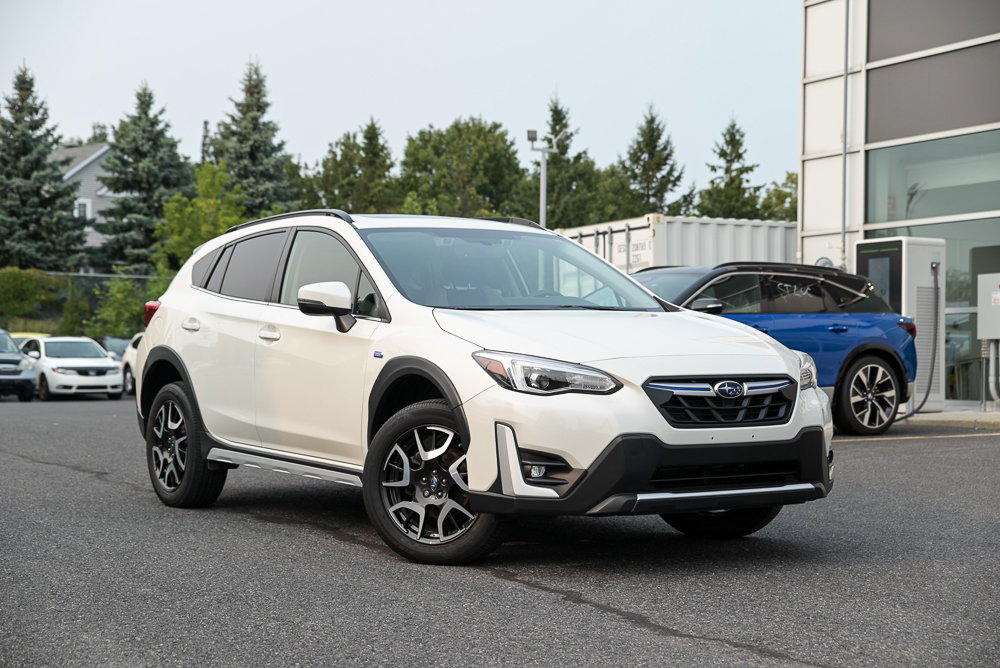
865,300
739,293
796,294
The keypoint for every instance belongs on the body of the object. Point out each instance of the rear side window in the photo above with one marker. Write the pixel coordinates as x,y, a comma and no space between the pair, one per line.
739,293
199,272
317,257
251,268
846,300
796,294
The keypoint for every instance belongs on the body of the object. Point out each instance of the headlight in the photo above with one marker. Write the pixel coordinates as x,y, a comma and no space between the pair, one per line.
64,370
807,372
536,375
25,363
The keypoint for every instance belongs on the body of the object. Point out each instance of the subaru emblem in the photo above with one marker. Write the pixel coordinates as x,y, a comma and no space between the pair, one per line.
729,389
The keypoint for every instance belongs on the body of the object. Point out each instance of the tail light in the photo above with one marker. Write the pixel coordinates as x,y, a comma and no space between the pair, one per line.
150,311
909,326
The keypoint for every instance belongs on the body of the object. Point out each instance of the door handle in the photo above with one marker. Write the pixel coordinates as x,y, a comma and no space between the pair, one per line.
760,328
837,328
269,334
191,325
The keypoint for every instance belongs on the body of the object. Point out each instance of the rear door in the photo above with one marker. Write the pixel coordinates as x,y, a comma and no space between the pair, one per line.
805,318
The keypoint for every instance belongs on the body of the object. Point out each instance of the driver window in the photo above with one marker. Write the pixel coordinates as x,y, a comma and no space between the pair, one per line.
317,258
739,293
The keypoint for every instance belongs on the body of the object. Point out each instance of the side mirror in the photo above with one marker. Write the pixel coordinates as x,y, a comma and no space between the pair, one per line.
34,354
707,305
330,298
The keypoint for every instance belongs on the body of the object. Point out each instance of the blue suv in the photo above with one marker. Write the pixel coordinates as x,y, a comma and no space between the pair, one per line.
864,353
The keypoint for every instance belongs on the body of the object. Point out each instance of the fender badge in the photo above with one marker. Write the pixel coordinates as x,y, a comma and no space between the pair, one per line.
378,354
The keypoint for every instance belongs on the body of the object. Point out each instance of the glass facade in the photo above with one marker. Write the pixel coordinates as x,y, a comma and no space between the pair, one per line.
896,27
934,178
973,248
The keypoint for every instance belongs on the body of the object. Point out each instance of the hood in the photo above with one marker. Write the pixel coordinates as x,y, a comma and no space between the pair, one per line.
80,362
11,358
589,336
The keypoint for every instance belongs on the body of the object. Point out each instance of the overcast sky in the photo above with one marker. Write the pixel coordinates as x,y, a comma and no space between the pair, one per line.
332,65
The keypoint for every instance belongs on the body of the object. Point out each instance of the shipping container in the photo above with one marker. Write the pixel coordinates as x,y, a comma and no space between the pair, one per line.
657,240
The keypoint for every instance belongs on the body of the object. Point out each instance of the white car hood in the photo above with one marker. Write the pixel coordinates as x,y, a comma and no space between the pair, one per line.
82,362
586,337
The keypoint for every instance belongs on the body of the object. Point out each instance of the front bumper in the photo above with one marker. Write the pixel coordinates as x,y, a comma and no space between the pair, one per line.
640,474
17,384
64,383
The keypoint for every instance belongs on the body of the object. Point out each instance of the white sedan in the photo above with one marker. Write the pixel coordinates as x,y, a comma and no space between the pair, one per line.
73,365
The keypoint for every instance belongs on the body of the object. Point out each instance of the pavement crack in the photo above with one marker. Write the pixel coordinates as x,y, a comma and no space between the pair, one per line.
642,621
94,473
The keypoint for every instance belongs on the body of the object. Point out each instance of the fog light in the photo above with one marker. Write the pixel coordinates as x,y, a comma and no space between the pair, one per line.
537,472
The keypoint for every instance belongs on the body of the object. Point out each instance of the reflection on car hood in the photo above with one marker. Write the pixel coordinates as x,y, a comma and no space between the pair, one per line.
75,362
590,336
11,358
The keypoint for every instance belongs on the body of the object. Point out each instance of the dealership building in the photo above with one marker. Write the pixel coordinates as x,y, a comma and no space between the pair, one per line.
900,137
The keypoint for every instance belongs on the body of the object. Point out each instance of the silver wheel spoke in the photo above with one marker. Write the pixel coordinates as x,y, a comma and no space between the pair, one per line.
404,466
458,477
428,455
414,507
449,508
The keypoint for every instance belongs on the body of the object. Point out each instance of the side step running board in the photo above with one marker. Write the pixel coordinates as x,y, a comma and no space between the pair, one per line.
281,466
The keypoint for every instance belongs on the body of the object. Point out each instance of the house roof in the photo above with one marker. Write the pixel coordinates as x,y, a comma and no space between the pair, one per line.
80,157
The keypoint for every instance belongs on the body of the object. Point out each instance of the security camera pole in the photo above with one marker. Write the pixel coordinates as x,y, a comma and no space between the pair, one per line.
533,137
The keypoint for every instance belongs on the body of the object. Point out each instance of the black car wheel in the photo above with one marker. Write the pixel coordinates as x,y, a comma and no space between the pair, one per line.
867,397
180,475
416,489
129,380
43,389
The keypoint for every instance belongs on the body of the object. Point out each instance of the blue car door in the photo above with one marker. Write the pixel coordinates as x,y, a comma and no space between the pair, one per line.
741,299
803,317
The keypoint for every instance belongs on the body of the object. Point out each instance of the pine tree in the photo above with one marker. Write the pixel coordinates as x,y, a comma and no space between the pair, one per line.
374,187
144,169
572,180
781,200
339,173
38,228
729,194
248,143
651,166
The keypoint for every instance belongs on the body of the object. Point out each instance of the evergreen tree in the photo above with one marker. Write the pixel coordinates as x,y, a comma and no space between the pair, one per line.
572,180
145,170
729,194
248,143
781,200
651,166
373,192
38,228
468,169
339,173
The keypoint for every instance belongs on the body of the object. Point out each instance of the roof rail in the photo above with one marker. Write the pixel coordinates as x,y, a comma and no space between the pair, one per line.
510,219
787,266
337,213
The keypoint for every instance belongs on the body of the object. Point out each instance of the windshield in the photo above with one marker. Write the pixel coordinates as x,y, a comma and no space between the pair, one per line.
115,344
7,344
73,349
667,284
501,270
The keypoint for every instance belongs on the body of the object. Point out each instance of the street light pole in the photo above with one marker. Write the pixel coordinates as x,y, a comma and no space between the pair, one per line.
542,187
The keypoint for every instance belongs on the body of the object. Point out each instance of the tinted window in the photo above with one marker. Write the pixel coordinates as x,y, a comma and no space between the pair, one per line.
849,300
251,268
368,302
215,282
63,349
667,284
316,257
739,293
199,272
796,294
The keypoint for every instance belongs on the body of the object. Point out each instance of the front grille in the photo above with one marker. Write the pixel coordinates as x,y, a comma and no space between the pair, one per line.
92,372
693,403
8,370
725,476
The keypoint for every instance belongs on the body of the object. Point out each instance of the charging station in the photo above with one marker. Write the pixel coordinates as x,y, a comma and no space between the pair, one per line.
988,326
910,274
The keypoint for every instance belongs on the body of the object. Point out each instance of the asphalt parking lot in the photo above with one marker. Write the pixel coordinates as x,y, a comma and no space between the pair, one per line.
898,566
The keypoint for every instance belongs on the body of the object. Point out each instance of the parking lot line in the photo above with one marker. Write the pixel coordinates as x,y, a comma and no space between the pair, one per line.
914,438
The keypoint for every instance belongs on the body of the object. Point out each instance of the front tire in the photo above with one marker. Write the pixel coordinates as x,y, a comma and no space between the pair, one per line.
43,389
721,524
416,493
180,475
867,397
26,394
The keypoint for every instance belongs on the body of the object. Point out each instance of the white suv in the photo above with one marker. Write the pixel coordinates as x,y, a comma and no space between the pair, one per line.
460,371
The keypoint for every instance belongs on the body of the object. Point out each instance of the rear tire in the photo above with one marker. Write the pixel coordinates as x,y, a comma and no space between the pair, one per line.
415,488
867,397
128,380
26,395
180,475
721,524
